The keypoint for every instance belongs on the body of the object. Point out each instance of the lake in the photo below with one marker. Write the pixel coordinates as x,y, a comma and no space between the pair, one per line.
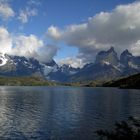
63,113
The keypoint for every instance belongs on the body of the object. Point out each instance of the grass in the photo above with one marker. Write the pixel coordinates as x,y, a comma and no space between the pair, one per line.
25,81
132,82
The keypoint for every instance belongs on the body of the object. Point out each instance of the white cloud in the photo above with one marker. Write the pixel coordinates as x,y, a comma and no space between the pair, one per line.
54,32
135,49
34,2
6,11
5,40
119,28
28,46
47,53
25,14
75,62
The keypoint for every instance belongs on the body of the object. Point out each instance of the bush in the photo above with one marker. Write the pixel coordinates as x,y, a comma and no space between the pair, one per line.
125,130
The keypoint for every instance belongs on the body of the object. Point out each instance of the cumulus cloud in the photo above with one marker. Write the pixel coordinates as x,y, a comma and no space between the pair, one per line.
47,53
5,40
119,28
25,14
28,46
54,32
75,62
135,49
5,10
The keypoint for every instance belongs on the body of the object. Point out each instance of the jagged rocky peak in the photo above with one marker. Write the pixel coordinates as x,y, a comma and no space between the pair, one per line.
130,61
107,57
68,67
111,50
125,57
126,53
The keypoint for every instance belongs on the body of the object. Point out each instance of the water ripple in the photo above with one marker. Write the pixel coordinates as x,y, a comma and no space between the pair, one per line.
62,113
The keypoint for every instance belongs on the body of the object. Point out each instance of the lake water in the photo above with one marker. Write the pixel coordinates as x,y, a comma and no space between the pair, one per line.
63,113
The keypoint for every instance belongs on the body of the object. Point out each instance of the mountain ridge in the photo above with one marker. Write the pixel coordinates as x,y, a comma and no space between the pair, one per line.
107,66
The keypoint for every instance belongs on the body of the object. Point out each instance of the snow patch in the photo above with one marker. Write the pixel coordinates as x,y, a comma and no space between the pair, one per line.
133,65
49,69
3,60
72,72
107,63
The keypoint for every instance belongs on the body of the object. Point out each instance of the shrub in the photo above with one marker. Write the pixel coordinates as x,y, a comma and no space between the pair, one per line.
125,130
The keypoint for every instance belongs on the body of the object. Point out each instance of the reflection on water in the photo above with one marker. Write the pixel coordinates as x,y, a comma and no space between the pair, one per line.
62,113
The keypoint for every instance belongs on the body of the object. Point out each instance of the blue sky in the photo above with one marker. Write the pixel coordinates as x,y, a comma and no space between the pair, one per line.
37,16
59,12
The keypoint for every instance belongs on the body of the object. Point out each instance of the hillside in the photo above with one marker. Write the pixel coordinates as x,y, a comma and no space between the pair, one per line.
24,81
132,82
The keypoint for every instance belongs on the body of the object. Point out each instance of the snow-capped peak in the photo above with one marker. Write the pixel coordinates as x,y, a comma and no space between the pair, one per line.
3,59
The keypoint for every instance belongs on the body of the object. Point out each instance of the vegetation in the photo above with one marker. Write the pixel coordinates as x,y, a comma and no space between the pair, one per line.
127,82
126,130
84,83
132,82
25,81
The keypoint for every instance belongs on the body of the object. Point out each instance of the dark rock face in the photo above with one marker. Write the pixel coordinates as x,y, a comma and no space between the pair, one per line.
125,57
25,66
109,57
98,71
131,63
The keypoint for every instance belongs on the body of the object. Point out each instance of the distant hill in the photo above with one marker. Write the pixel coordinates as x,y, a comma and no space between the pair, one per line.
24,81
132,82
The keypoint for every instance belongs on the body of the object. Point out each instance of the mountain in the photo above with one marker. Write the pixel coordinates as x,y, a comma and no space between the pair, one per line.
63,73
131,64
132,82
100,71
108,57
22,66
18,66
125,57
107,66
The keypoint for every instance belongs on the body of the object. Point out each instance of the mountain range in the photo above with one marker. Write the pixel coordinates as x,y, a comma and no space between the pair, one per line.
107,66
